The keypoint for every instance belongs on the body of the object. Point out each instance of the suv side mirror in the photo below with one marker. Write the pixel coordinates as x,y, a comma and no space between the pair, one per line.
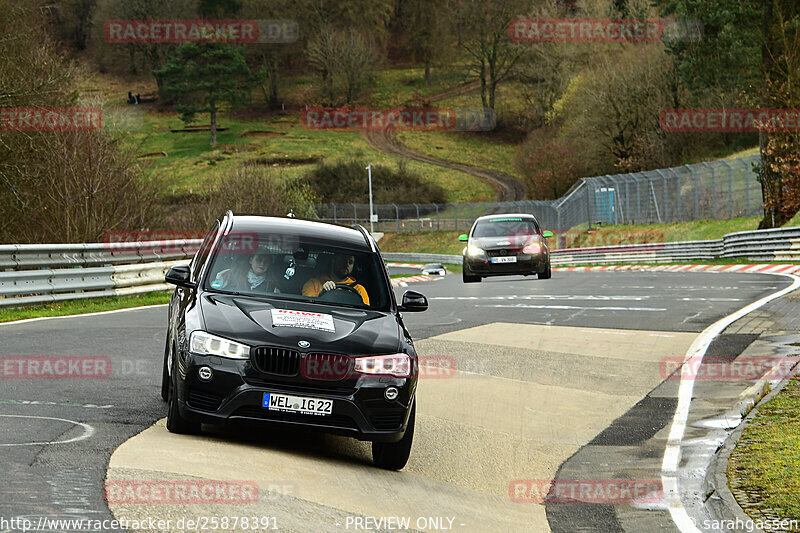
463,237
414,302
180,276
547,234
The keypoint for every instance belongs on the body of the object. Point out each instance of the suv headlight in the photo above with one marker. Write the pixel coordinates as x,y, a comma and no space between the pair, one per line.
203,343
397,365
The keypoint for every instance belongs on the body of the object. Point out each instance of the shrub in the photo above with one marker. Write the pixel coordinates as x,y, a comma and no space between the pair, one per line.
248,190
347,182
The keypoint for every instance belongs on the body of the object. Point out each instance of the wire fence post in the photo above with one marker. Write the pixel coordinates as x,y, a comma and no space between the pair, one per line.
713,192
455,215
746,188
355,214
397,216
638,202
730,188
678,192
334,215
666,192
588,206
438,227
696,193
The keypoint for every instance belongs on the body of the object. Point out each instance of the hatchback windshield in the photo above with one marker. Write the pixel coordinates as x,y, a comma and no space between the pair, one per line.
286,267
504,227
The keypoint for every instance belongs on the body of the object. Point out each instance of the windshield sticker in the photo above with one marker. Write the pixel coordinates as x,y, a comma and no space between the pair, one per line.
504,220
302,319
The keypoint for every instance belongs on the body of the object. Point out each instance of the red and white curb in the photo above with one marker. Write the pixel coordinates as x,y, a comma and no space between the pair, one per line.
405,265
749,269
403,282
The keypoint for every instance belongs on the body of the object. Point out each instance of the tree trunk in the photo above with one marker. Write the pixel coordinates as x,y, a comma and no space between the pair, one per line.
767,176
427,70
213,125
483,84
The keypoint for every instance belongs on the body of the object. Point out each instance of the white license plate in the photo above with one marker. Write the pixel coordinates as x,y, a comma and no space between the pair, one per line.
297,404
508,259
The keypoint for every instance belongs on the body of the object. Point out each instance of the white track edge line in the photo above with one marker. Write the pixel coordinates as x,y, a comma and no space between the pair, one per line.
672,451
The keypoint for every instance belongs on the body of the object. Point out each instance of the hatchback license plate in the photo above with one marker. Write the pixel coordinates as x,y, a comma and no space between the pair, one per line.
297,404
507,259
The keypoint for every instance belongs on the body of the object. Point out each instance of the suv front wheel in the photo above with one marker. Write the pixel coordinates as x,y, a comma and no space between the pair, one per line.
394,455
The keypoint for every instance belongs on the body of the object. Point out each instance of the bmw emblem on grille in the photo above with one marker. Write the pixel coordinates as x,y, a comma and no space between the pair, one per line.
303,344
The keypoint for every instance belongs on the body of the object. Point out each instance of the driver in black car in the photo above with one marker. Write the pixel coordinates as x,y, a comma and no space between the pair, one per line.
341,267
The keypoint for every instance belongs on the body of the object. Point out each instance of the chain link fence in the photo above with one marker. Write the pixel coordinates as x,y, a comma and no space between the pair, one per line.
721,189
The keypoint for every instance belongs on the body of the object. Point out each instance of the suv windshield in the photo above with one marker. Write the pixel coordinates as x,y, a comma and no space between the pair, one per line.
505,227
286,267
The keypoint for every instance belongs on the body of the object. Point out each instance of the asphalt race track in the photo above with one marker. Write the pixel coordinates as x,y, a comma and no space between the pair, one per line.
529,380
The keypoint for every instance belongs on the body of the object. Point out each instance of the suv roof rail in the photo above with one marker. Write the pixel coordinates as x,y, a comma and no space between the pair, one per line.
227,222
367,236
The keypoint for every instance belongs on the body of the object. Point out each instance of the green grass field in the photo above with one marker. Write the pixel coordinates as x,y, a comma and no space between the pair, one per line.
280,142
88,305
765,463
463,147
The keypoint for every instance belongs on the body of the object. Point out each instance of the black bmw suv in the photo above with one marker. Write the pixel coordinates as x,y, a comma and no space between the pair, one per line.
262,327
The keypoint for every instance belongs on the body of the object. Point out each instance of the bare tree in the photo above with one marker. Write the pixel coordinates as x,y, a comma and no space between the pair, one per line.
483,35
612,110
347,62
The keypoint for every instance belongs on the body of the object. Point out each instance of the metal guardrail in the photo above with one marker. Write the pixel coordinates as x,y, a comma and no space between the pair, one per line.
781,244
42,273
421,258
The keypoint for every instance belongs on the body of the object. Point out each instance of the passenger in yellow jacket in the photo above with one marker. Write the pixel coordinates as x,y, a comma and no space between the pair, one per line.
341,267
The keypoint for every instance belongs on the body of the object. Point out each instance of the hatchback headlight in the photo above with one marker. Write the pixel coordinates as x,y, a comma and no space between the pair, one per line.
204,343
397,365
532,248
476,252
